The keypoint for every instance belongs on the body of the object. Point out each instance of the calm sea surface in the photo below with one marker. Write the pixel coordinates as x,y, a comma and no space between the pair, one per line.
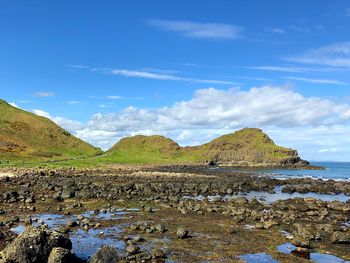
334,170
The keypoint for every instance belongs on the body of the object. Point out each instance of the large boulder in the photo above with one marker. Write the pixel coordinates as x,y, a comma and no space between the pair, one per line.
62,255
105,254
341,237
34,246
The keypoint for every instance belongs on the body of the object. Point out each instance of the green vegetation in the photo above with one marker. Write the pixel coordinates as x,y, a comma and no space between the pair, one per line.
26,137
245,147
29,140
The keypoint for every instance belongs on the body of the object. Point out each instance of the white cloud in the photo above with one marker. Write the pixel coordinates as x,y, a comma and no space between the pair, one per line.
294,69
291,119
335,55
323,150
14,105
276,30
73,102
114,97
78,66
193,65
42,94
229,109
67,124
199,30
156,76
103,106
318,81
41,113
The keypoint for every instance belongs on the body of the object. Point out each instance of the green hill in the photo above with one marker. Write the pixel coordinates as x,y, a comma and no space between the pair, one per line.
245,147
28,136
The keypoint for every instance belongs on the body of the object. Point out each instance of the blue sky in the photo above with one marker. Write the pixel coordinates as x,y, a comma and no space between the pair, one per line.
190,70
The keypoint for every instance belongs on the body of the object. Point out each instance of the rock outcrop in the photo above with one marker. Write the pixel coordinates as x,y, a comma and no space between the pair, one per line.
37,245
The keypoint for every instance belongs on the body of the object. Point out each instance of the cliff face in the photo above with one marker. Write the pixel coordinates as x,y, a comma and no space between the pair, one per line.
24,134
246,147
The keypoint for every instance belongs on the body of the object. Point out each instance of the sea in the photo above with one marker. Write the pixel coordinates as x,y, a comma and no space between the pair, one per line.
338,171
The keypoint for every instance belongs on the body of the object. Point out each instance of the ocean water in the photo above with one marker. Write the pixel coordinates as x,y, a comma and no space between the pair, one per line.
339,171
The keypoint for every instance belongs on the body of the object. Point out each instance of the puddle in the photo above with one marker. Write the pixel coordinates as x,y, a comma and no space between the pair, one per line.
266,197
288,248
258,258
85,243
18,229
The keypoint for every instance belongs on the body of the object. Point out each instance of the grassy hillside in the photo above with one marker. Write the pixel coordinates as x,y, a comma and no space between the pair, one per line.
145,150
248,145
245,147
28,136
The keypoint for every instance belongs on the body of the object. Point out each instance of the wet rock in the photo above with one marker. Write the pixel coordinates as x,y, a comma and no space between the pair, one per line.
301,242
149,209
28,220
71,223
67,193
341,237
181,233
138,238
160,228
132,249
106,254
61,255
29,200
34,246
157,253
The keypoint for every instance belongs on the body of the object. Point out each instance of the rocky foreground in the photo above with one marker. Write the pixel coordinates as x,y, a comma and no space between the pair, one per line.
158,217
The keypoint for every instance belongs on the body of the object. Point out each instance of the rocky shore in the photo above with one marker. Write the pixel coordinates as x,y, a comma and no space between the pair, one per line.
181,215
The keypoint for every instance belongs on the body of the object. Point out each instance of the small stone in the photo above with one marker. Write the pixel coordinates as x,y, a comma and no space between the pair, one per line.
132,249
157,253
138,238
160,228
181,233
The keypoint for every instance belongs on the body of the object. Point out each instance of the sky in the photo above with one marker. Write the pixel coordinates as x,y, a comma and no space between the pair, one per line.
189,70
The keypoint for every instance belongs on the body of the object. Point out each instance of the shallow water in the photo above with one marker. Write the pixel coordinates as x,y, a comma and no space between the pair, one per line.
85,243
279,195
339,171
270,198
287,248
258,258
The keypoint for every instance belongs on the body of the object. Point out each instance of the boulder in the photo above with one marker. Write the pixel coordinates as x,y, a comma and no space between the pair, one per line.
341,237
67,193
34,245
61,255
105,254
181,233
132,249
158,253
